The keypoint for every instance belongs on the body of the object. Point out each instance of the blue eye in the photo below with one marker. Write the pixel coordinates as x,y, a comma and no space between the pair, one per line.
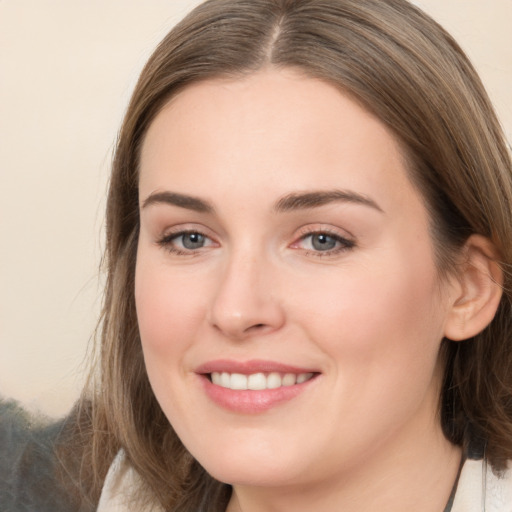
323,242
191,241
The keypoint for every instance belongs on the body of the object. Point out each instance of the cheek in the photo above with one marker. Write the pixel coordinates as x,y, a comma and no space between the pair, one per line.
383,319
169,311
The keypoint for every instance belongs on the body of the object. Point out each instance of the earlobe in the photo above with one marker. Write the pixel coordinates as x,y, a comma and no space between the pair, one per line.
478,291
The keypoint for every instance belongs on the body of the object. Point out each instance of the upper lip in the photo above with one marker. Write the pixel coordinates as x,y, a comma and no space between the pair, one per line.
250,367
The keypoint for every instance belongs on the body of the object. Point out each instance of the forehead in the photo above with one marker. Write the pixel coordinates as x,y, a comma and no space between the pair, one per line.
276,128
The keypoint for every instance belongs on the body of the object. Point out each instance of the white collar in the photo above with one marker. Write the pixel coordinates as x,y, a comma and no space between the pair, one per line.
117,492
478,489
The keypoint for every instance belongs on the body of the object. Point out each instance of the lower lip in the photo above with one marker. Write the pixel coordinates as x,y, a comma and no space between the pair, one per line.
251,401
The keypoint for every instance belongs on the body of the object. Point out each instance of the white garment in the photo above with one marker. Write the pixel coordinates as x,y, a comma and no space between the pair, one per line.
478,489
117,489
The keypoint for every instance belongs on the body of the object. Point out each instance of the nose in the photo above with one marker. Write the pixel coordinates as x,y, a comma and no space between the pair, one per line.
246,302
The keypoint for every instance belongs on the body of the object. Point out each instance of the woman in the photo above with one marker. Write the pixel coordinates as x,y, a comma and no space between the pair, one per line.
309,240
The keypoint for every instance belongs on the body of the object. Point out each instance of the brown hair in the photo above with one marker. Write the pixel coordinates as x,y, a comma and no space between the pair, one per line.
403,67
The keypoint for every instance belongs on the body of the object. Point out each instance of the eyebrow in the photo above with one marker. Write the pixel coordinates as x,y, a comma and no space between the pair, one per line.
181,200
304,201
290,202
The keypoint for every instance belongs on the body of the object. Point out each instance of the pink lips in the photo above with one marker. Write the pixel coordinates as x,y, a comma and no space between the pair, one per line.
247,367
251,401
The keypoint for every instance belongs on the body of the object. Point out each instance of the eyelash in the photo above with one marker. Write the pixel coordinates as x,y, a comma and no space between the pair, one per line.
344,244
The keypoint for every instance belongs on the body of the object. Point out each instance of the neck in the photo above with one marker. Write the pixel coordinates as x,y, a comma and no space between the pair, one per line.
402,476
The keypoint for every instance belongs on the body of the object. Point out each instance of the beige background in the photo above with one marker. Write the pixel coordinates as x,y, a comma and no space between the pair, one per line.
67,68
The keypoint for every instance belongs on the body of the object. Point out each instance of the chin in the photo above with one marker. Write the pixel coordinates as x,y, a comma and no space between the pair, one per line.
242,475
249,469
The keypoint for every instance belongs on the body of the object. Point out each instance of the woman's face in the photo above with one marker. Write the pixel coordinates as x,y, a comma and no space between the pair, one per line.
283,249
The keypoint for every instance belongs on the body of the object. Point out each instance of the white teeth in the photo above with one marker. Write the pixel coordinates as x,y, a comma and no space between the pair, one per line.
224,380
274,380
303,377
289,379
258,381
238,381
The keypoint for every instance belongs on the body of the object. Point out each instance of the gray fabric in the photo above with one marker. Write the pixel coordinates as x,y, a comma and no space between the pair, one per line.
28,464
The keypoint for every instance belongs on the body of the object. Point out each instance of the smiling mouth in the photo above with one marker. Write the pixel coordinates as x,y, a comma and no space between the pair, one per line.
254,386
258,381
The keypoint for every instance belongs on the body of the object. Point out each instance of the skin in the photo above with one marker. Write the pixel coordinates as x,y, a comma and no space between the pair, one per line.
368,316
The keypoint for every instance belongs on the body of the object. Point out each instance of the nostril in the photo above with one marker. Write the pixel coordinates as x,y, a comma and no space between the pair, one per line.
255,327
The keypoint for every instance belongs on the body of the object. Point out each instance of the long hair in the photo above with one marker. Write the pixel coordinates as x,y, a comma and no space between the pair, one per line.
404,68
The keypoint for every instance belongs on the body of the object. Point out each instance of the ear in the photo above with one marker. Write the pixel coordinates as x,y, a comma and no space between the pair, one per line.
477,291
